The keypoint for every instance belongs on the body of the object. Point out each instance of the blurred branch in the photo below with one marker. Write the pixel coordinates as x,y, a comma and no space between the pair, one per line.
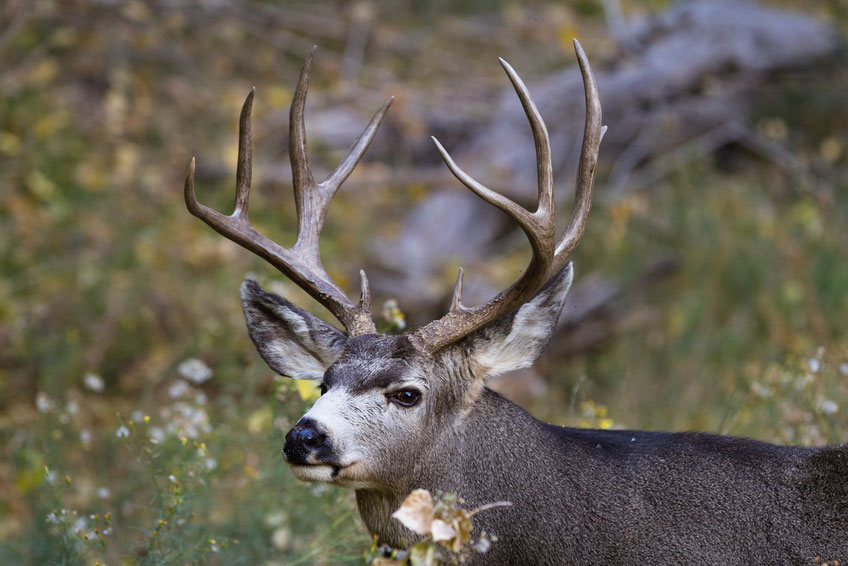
616,23
360,23
732,131
630,179
784,159
18,14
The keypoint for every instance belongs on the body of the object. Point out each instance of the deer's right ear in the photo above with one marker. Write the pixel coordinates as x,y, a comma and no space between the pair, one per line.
290,340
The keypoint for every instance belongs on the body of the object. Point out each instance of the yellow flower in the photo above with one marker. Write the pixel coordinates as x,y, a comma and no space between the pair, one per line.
307,390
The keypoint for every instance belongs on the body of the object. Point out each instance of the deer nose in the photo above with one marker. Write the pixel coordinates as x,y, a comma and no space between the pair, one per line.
304,438
307,436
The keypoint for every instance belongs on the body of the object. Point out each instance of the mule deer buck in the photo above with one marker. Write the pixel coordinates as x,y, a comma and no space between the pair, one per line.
413,411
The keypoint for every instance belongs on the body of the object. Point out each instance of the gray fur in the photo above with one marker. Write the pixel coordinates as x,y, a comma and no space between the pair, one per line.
631,497
292,342
618,498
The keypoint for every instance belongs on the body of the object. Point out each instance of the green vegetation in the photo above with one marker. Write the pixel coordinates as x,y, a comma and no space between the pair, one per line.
119,445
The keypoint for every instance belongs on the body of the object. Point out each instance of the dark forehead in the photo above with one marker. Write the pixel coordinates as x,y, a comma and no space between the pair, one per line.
372,361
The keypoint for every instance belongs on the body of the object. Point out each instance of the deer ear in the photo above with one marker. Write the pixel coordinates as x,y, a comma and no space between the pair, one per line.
290,340
517,339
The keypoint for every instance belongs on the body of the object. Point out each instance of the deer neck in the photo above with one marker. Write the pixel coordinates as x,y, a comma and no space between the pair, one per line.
476,442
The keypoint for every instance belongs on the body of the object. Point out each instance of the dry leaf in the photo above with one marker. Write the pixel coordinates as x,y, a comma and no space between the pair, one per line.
442,531
416,512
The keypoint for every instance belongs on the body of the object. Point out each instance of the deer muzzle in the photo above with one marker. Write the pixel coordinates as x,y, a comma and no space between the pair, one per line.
307,444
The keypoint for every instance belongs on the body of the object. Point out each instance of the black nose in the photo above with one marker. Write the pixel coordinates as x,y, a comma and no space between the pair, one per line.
304,438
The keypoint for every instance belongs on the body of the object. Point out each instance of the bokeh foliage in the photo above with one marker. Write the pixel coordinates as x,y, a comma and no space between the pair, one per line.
104,274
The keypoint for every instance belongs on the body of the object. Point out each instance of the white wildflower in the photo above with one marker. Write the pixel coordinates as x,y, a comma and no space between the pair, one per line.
393,314
157,434
828,407
72,407
173,478
93,382
85,437
178,389
80,524
211,463
760,390
122,432
52,518
195,370
281,538
814,365
843,368
104,493
276,519
44,403
482,546
186,420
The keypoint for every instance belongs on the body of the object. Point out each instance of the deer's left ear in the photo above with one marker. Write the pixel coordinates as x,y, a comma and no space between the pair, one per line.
516,340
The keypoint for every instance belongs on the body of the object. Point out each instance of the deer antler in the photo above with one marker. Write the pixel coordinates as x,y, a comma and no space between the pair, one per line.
302,262
539,226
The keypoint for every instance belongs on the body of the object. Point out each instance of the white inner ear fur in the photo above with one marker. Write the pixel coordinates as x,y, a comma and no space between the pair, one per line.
530,332
291,341
300,363
300,356
529,329
296,322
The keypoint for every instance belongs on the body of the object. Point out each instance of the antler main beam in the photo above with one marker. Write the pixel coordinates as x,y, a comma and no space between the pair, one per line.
539,226
302,262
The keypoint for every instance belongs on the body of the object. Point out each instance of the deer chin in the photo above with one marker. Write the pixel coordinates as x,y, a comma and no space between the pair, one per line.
316,472
350,475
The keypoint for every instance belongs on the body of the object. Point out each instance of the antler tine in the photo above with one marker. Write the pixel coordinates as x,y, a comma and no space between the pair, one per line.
515,211
299,157
302,262
456,300
357,150
593,133
313,199
245,156
238,221
365,295
539,226
544,162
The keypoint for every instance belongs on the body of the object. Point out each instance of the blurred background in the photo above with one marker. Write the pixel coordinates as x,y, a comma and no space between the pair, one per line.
138,425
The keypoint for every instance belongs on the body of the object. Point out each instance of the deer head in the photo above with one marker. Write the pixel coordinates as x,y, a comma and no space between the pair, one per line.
386,400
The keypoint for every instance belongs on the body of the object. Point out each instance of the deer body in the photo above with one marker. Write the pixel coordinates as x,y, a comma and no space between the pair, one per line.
399,413
632,497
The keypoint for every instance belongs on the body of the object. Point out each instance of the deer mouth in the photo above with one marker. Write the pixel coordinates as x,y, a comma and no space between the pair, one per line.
353,475
328,472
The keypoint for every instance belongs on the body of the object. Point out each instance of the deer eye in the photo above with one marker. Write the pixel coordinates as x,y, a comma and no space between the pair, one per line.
322,388
405,397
